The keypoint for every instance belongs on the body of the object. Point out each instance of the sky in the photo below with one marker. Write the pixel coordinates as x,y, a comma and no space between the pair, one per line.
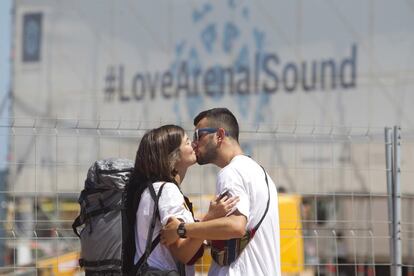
5,28
5,18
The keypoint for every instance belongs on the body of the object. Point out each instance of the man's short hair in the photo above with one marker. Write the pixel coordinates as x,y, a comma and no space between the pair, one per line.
220,117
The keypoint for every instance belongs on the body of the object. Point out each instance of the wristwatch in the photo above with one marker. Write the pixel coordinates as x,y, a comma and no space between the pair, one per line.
181,230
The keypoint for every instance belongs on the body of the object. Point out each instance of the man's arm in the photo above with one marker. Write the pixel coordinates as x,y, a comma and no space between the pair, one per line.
185,249
233,226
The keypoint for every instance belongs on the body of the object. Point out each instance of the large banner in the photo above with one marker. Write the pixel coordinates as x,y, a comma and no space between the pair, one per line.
316,62
330,63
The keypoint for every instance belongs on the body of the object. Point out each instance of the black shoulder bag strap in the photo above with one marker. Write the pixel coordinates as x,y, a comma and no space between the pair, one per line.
267,206
151,244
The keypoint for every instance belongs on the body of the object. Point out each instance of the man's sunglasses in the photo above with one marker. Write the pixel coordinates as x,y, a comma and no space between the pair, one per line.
198,133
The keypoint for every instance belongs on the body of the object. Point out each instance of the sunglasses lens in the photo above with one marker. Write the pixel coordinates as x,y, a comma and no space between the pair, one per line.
203,131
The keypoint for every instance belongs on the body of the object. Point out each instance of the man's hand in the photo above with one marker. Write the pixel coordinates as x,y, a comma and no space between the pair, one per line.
169,232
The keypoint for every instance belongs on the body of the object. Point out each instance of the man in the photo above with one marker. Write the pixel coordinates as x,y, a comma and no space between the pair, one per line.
216,141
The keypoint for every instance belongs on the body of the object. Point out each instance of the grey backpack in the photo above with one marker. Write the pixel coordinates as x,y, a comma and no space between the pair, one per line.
102,225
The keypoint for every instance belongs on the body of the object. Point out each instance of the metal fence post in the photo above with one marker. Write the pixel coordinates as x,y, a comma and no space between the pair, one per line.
397,201
389,170
393,171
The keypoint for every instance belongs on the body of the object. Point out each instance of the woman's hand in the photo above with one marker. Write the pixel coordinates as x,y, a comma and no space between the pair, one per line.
220,207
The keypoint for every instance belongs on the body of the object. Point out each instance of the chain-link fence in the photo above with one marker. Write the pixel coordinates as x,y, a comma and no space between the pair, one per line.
332,183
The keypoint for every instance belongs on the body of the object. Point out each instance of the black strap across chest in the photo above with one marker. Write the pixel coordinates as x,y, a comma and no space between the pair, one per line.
267,205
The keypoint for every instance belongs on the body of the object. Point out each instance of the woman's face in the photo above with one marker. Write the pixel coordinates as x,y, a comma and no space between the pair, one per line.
187,154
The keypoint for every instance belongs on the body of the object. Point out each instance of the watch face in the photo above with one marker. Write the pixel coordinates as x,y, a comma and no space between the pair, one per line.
181,230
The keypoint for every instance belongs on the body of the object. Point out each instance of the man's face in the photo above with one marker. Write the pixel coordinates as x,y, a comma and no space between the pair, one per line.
204,143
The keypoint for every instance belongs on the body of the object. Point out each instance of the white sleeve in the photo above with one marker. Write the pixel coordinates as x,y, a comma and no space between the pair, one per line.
231,180
171,203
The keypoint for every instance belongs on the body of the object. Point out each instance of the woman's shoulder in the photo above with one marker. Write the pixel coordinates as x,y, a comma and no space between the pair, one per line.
166,184
171,195
168,187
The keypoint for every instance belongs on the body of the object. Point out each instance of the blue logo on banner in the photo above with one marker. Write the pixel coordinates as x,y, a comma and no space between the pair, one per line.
32,37
221,39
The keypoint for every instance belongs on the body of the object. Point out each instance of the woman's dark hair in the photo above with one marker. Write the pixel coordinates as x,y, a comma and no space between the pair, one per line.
156,156
158,152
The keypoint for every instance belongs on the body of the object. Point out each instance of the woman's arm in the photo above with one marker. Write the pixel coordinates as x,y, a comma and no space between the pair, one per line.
172,203
184,250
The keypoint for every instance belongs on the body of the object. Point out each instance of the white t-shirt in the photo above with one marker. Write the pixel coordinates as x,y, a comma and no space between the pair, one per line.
245,178
171,203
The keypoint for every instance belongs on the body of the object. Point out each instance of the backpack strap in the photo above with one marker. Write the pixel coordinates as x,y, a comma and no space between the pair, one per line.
151,244
99,263
76,224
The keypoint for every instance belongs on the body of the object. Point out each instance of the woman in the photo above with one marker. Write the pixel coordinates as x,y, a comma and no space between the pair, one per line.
163,156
